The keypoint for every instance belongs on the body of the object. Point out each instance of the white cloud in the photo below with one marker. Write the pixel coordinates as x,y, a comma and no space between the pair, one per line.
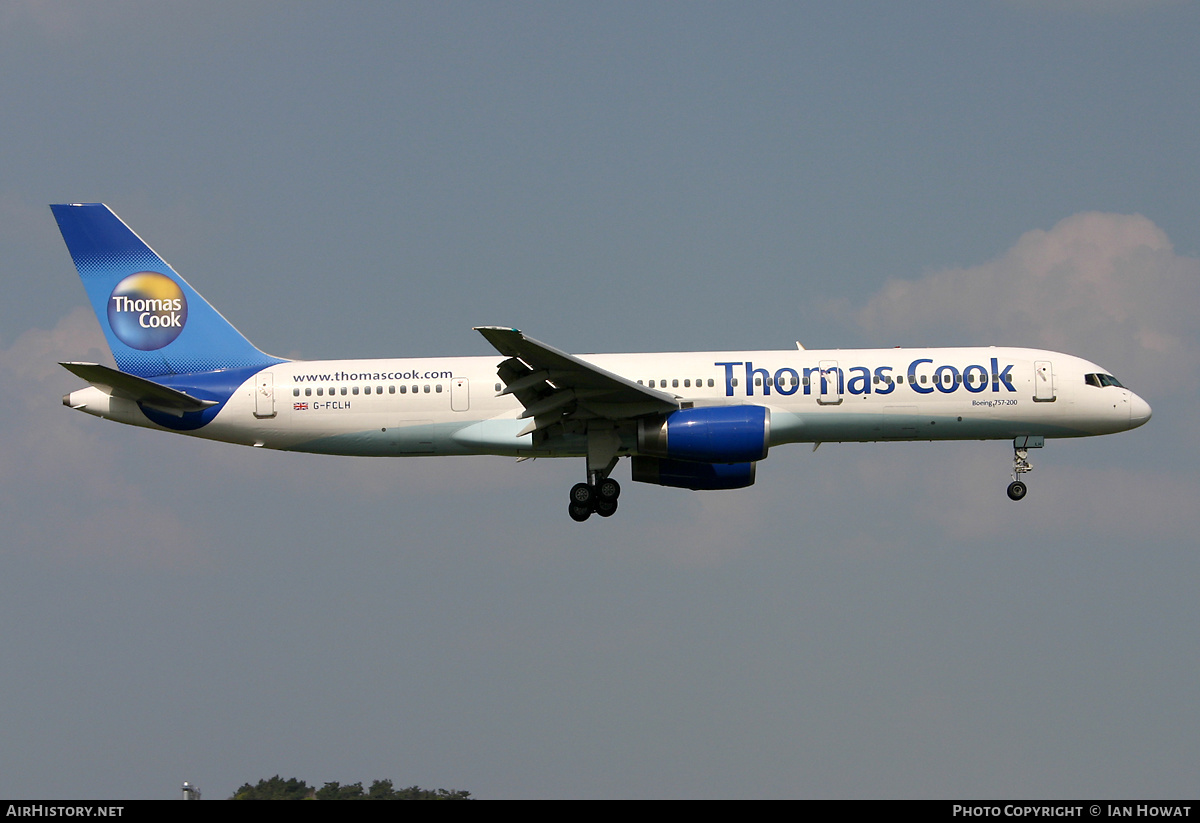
1106,287
75,488
68,493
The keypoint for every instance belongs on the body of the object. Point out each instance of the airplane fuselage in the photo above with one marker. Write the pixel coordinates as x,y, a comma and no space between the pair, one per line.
693,420
453,405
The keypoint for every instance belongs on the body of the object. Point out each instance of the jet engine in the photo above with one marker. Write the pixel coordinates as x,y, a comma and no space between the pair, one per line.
711,447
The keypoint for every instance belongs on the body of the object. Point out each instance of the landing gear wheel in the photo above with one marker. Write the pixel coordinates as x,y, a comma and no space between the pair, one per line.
579,513
582,495
608,489
1021,465
606,508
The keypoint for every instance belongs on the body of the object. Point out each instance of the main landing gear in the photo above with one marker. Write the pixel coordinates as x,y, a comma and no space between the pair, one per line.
1021,465
599,496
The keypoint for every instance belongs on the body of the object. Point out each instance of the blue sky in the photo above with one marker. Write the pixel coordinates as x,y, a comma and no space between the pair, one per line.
374,179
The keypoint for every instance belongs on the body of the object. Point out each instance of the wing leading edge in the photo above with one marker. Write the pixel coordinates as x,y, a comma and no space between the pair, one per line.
555,387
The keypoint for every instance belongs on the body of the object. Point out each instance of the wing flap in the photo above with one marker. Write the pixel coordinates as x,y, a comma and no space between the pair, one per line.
554,386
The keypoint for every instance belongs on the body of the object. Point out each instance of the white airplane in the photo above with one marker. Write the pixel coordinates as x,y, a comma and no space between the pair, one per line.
693,420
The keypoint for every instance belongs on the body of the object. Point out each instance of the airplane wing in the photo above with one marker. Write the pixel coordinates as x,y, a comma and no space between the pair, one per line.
554,386
138,389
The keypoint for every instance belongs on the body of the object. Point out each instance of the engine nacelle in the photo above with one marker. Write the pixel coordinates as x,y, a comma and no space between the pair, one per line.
681,474
709,434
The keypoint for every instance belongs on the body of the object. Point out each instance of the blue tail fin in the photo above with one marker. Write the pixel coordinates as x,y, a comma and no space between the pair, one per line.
156,324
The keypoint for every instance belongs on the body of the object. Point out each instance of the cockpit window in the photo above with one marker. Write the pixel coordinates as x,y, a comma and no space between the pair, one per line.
1102,380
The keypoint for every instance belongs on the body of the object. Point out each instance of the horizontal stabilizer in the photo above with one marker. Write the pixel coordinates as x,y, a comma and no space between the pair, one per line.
138,389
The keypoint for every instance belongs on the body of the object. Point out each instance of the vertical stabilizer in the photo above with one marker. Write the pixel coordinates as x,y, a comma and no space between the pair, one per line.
156,324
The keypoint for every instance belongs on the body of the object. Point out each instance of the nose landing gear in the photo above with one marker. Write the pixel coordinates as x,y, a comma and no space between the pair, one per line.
1021,465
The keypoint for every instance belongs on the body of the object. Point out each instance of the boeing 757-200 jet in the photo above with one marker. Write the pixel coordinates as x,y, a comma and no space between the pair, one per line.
692,420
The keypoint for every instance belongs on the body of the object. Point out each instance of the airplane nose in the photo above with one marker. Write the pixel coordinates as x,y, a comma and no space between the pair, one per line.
1139,411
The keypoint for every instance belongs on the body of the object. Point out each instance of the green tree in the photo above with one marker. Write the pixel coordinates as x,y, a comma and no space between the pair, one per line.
381,790
274,789
336,791
279,789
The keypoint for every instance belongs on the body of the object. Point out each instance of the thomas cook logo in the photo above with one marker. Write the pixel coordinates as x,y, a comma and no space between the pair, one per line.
147,310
